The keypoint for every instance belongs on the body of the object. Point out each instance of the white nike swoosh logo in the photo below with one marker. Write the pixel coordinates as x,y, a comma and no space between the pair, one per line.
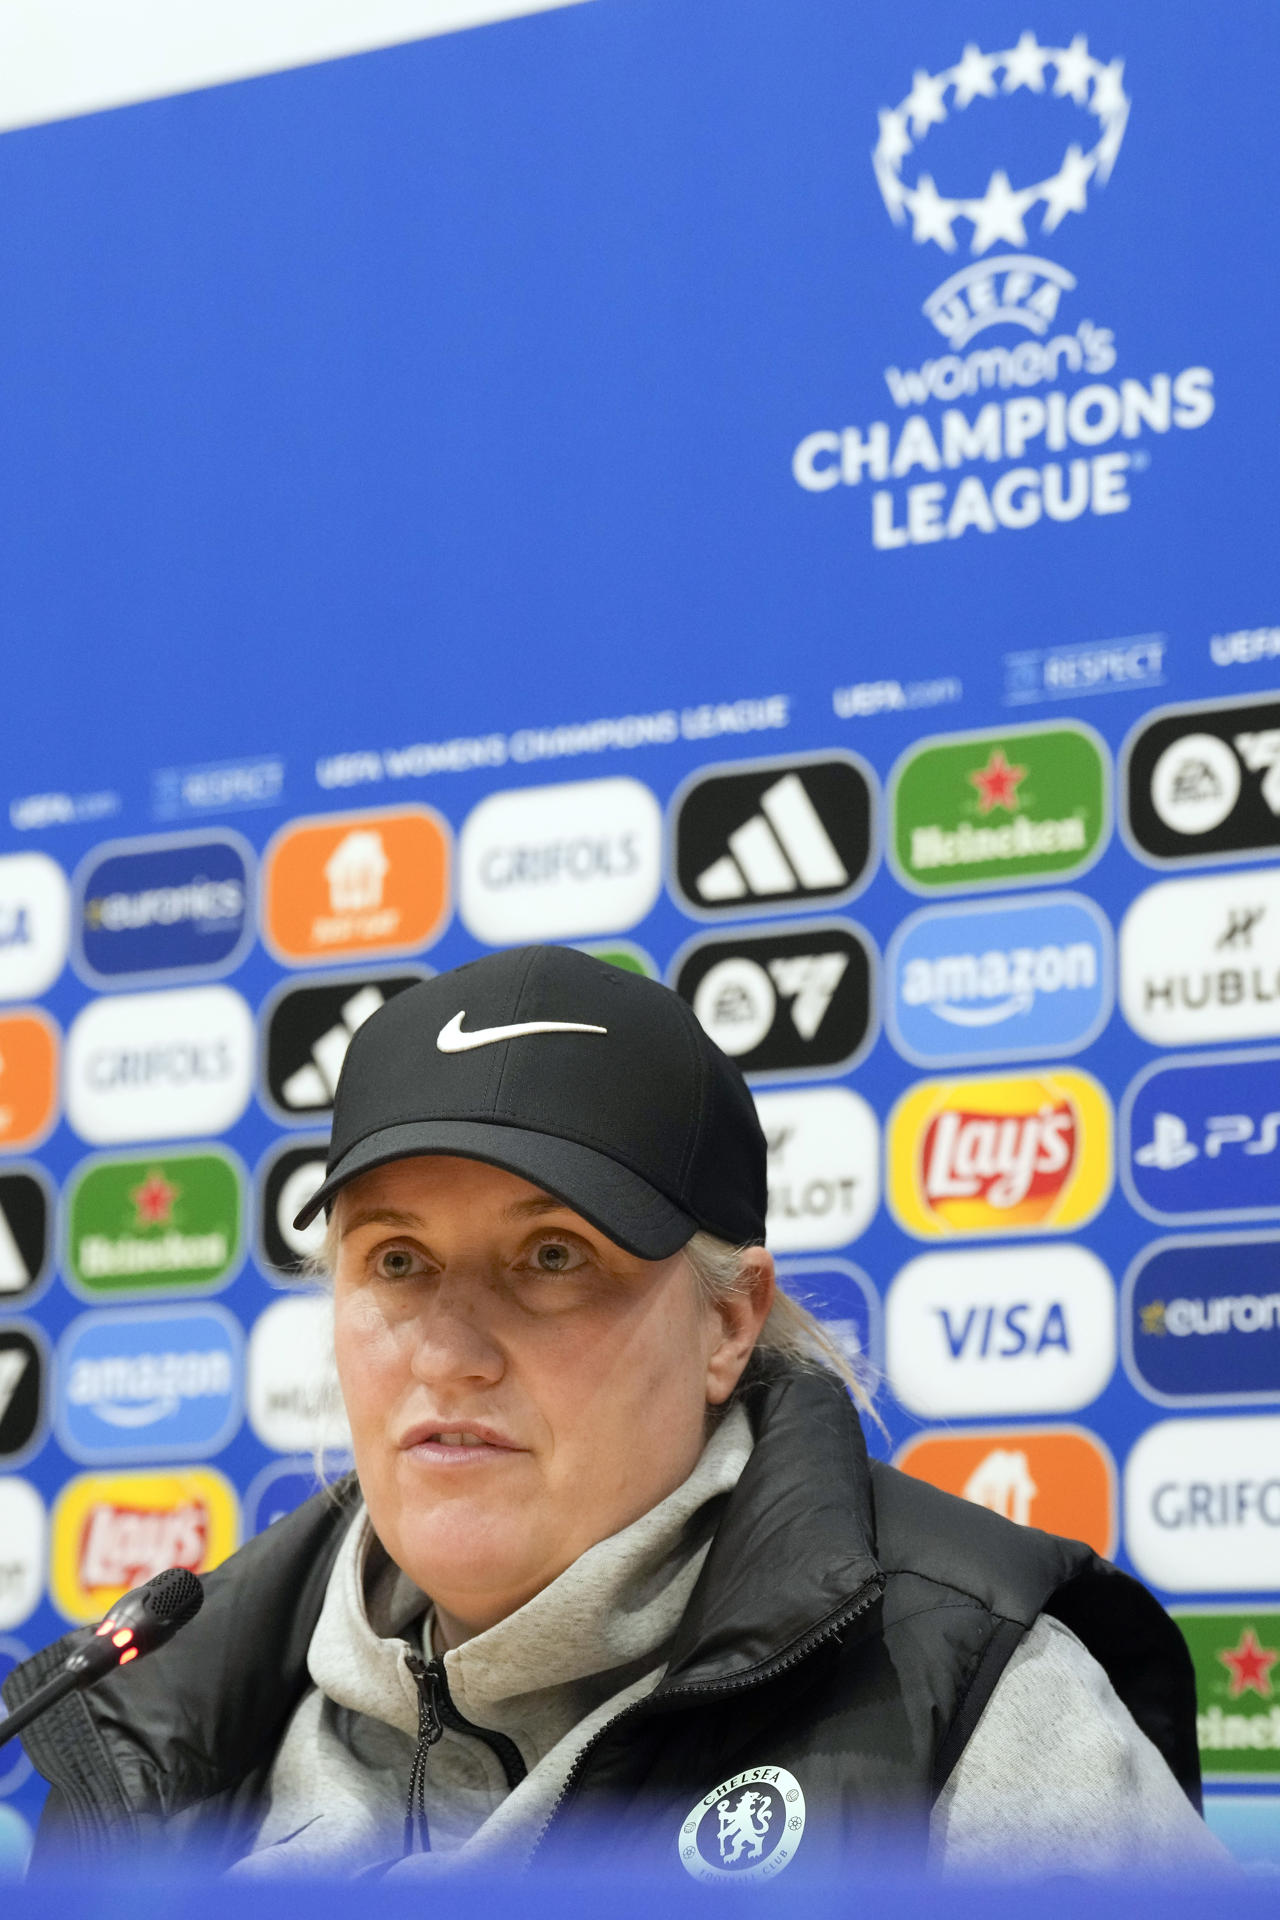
451,1038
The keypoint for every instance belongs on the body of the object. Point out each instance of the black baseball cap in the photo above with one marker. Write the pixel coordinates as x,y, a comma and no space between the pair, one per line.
598,1085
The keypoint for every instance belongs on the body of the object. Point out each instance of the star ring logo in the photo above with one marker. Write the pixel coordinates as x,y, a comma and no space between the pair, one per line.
1000,213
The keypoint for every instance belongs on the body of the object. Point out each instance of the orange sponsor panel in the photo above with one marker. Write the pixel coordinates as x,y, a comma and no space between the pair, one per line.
1016,1153
348,884
1060,1479
113,1531
28,1078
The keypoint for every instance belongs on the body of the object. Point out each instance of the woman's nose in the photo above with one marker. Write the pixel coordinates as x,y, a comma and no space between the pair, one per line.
452,1340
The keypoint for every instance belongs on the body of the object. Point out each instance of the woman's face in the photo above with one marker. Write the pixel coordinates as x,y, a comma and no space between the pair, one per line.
518,1387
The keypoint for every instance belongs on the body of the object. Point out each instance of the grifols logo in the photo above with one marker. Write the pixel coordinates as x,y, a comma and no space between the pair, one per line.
1030,1153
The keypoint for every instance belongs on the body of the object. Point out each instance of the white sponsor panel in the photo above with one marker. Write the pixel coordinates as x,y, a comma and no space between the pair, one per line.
1200,959
159,1066
1001,1331
824,1167
1202,1504
557,863
293,1401
22,1550
35,924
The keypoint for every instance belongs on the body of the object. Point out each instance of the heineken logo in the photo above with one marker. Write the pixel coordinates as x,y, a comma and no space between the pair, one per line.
1237,1663
973,810
165,1224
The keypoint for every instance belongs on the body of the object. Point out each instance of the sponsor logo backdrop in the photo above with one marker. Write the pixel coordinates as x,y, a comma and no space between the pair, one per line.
867,622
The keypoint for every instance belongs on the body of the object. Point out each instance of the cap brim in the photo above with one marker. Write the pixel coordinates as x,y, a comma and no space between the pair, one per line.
612,1198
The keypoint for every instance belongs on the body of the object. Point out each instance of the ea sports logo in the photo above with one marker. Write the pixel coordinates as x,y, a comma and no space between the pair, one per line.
747,1828
1025,291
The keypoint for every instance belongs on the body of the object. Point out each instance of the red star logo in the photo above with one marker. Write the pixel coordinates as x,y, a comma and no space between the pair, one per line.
1250,1664
997,783
153,1200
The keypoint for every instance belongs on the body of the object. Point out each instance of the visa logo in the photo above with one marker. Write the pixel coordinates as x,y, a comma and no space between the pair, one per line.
1000,1330
1005,1332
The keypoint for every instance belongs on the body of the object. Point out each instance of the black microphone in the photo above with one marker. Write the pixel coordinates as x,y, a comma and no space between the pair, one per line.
139,1622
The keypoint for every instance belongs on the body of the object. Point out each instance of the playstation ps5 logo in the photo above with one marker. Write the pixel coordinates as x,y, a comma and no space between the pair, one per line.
1017,289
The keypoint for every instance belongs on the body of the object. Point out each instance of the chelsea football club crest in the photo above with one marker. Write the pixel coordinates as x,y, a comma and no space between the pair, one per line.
747,1828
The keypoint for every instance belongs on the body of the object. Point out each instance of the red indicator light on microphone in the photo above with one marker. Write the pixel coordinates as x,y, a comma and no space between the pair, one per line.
125,1658
122,1638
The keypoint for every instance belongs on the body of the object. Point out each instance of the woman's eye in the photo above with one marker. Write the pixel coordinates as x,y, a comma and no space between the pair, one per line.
553,1256
395,1263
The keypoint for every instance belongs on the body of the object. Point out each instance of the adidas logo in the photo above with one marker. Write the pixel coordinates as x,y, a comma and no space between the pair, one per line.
14,1362
315,1083
15,1275
782,849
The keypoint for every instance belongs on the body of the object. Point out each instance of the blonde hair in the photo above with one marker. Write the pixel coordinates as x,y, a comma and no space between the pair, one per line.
721,1271
792,1331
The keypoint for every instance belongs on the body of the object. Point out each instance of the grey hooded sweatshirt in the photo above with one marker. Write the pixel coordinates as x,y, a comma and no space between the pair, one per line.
1056,1777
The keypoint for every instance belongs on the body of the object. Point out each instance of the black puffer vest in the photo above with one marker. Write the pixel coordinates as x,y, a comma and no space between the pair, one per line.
849,1626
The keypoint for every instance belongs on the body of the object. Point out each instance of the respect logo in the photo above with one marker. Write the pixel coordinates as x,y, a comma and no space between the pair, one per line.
1237,1661
170,1223
998,809
1027,1154
114,1531
347,884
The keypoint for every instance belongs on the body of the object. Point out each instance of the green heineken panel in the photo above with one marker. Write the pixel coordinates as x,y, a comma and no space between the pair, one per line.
975,810
1237,1662
166,1223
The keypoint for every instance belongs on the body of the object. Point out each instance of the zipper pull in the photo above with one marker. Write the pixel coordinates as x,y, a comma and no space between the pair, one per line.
427,1679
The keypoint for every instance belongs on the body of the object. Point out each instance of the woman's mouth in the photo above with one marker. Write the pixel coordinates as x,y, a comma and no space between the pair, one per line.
458,1446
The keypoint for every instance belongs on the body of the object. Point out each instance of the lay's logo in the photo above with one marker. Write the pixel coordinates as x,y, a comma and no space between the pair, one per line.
1030,1153
114,1531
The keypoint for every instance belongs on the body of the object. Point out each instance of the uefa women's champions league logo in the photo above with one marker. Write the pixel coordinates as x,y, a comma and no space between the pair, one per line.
1018,289
1001,434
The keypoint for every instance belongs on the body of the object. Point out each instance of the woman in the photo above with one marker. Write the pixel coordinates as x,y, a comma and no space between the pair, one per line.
614,1567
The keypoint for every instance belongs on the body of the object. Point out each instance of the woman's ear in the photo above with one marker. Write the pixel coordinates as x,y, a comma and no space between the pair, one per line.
741,1317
